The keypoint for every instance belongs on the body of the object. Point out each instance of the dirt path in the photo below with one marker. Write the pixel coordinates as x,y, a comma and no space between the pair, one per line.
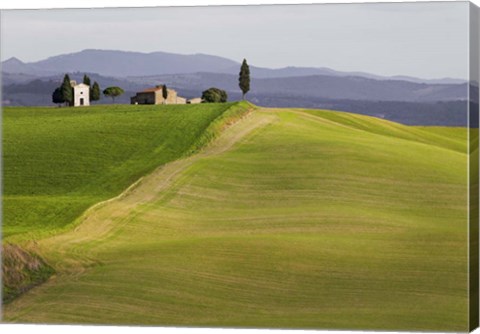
69,253
98,222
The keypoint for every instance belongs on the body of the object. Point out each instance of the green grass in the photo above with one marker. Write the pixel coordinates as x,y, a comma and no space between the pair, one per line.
290,219
58,162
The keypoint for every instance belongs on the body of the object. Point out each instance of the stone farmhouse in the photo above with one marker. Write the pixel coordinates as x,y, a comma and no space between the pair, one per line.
155,96
81,94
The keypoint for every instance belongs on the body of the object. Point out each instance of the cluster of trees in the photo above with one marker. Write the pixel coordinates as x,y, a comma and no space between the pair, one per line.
64,93
216,95
94,90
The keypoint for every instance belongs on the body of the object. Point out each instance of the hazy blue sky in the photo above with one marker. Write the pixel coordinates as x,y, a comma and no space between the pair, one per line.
419,39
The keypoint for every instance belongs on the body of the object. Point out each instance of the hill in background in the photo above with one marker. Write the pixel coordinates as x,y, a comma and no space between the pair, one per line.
126,63
402,99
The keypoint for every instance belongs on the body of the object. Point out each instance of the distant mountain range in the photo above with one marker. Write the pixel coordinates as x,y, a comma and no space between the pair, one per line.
403,99
124,64
321,86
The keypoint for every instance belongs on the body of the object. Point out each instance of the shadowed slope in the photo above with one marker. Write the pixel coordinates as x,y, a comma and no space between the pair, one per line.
60,161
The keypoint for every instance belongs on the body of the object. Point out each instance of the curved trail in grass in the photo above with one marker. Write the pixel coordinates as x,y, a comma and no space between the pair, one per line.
100,221
290,219
58,162
71,256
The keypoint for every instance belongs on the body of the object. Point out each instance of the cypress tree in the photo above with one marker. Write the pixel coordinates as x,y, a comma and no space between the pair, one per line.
86,80
67,90
164,94
244,78
95,92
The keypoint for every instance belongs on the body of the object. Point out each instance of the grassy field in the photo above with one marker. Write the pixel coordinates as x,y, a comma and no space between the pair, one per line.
58,162
291,218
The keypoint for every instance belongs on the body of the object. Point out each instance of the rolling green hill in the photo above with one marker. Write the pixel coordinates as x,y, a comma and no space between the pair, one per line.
58,162
290,218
